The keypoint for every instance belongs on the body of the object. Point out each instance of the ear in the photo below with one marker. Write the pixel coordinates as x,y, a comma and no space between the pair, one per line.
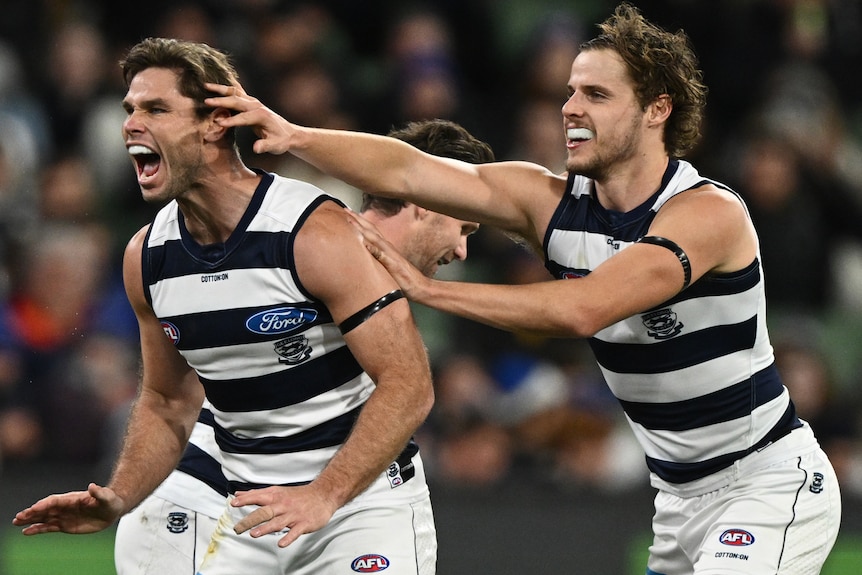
215,131
419,212
659,109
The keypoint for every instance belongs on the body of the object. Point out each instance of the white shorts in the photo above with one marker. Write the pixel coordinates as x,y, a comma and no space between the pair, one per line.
383,528
161,538
780,519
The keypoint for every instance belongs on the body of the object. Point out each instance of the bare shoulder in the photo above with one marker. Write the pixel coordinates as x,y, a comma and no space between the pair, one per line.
132,274
712,223
334,265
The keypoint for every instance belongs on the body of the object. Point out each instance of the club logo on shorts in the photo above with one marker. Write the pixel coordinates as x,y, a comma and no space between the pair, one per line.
372,563
177,522
736,538
816,483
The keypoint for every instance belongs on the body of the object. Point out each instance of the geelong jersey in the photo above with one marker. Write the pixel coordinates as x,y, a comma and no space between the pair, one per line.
282,386
198,482
695,375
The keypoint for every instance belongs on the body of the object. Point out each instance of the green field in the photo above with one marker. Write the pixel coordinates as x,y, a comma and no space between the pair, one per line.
57,554
61,554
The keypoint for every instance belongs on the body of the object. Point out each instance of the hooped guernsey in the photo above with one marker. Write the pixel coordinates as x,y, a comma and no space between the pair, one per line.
695,375
283,390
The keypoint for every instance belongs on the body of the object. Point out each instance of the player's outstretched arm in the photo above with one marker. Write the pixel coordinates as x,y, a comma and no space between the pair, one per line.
74,512
513,196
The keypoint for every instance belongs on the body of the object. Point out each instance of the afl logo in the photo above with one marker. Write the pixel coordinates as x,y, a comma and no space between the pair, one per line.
280,320
171,331
736,538
370,563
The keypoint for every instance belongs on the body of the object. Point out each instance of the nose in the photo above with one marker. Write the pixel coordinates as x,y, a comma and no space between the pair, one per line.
461,249
571,107
132,124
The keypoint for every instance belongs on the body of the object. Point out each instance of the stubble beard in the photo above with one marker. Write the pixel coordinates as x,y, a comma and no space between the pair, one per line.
600,165
180,181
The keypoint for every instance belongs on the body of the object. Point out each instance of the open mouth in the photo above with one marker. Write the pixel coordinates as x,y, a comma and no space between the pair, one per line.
147,161
578,135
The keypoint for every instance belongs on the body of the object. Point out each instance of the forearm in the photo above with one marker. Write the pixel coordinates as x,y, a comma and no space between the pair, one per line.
548,309
372,163
383,429
156,437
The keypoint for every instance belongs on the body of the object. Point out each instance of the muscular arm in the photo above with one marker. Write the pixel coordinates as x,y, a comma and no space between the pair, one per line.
334,266
167,406
711,227
518,197
168,403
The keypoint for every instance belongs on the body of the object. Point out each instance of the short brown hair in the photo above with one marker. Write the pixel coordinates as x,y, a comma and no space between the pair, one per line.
194,62
440,138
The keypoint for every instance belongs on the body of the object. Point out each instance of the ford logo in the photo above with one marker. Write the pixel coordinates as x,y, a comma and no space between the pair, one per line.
280,320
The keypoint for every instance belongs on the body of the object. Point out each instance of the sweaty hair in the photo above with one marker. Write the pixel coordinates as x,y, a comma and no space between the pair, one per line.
439,138
194,62
658,62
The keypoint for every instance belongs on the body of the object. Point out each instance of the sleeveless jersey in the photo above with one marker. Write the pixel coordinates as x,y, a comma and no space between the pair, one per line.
694,375
198,482
282,386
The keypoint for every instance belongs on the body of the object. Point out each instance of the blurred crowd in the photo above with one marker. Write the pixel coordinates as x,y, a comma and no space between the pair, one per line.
784,129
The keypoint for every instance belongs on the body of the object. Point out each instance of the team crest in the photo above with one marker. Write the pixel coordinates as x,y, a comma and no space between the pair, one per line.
292,350
662,323
178,522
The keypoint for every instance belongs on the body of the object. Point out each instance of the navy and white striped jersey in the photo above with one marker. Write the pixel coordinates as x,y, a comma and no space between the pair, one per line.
282,386
695,375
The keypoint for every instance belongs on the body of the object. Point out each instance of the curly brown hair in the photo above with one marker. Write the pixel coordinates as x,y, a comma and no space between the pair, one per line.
659,62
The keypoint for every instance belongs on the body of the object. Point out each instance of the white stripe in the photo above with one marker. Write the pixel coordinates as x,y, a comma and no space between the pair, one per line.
704,443
254,359
581,250
292,419
277,468
687,383
241,287
693,314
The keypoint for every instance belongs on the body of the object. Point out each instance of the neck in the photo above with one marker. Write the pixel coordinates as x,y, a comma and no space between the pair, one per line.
624,191
213,209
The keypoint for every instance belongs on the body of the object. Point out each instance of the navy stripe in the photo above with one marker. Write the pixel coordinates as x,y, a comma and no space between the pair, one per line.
677,353
200,465
286,387
714,285
195,330
260,250
726,404
685,472
328,434
408,471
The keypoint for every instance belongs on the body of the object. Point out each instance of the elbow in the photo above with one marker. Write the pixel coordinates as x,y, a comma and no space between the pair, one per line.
425,403
581,326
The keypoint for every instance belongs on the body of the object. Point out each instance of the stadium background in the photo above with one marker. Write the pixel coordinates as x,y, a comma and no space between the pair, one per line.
531,465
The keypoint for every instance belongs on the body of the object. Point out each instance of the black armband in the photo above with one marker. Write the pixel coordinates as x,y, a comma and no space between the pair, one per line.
362,315
672,246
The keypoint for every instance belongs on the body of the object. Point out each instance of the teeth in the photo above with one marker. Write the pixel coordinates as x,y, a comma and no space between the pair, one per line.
579,134
135,150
